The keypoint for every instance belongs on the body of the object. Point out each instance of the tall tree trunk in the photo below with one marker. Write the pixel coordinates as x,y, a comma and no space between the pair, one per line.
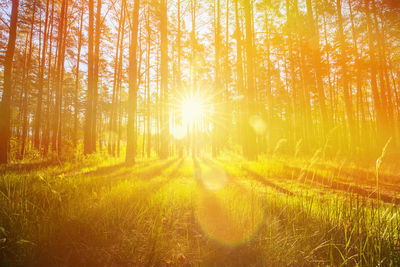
111,139
193,72
360,106
239,76
293,77
38,115
59,78
46,134
88,135
77,82
164,81
250,150
96,77
5,105
178,74
133,85
120,75
379,109
385,88
148,102
345,79
26,87
217,83
270,107
316,62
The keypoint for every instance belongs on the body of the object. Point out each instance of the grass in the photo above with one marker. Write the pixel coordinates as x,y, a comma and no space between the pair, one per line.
226,212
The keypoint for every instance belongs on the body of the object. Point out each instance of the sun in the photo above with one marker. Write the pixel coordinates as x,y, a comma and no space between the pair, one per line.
192,108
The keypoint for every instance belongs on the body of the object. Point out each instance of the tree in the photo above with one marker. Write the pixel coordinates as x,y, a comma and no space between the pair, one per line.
250,149
345,80
27,85
88,136
62,32
77,80
164,81
133,84
5,105
38,115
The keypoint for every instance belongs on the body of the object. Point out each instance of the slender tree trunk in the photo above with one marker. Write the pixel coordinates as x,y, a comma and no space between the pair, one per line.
250,151
179,71
5,105
88,135
148,111
133,85
46,135
316,59
119,85
115,84
239,76
379,110
59,78
293,77
164,81
26,87
385,88
360,106
38,115
345,79
22,91
193,72
217,83
269,96
96,77
77,82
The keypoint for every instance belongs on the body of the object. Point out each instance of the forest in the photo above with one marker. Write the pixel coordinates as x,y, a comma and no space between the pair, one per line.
199,133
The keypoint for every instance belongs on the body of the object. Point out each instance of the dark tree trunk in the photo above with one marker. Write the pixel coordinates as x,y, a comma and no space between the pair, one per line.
5,105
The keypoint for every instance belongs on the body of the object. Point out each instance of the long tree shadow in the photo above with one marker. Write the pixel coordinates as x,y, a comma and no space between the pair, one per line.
309,177
118,173
153,172
173,175
113,168
175,171
253,176
27,167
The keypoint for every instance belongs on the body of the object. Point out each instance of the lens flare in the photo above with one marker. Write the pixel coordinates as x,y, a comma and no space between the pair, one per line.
214,179
225,224
258,124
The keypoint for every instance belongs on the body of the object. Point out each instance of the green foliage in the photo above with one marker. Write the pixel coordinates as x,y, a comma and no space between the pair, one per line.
97,211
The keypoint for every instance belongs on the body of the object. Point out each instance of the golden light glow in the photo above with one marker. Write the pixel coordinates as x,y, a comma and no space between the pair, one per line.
179,132
192,109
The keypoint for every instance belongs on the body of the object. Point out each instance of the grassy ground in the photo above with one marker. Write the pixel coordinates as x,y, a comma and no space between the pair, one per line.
225,212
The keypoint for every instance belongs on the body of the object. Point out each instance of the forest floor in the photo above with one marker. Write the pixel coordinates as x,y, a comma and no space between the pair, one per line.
203,212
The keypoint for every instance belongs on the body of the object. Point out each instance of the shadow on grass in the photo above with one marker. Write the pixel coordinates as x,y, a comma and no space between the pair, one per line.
252,175
157,170
113,168
309,177
175,171
27,167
